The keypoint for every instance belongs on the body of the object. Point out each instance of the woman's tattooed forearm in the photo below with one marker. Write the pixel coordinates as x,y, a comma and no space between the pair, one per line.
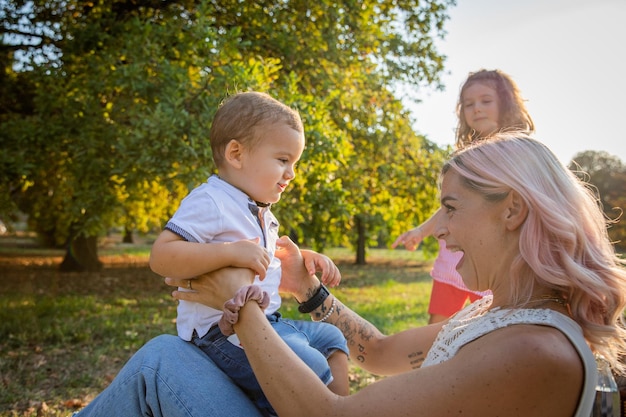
357,332
362,353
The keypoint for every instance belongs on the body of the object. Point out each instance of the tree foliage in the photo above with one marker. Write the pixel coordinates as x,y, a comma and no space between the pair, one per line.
106,107
606,173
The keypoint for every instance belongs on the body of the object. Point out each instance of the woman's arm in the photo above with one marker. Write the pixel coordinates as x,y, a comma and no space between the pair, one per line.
372,350
529,371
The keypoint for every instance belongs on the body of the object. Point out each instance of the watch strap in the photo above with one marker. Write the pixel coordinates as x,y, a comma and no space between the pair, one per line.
315,301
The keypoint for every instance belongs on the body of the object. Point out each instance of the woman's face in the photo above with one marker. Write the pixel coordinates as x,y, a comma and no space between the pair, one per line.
474,226
481,108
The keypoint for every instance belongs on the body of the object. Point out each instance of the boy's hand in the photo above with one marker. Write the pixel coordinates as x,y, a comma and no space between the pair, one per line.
249,254
316,262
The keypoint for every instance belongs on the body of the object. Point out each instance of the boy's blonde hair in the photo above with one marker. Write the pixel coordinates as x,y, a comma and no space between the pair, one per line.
242,115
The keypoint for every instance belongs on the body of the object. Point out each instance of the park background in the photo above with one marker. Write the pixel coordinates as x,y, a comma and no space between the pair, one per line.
105,108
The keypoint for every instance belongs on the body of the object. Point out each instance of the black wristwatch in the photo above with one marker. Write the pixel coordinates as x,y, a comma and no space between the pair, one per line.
314,302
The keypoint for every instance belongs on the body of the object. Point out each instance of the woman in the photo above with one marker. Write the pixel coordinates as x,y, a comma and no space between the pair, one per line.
529,231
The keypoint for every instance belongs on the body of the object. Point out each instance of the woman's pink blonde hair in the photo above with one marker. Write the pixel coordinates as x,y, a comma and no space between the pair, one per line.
564,243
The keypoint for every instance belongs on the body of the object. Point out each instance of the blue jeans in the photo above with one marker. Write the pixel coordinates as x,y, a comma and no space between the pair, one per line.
169,377
312,342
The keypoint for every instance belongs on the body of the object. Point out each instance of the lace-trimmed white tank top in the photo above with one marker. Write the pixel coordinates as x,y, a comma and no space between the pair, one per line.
476,320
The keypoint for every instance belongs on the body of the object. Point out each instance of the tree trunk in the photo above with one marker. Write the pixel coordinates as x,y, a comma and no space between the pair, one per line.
361,239
82,255
128,236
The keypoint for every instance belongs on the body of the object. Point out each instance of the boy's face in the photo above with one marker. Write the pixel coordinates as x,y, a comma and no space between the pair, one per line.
481,108
269,166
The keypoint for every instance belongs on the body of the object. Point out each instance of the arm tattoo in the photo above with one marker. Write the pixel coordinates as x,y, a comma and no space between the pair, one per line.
356,331
321,313
416,359
310,293
362,354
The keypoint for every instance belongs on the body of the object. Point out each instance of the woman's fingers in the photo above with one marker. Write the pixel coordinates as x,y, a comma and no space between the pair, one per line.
176,282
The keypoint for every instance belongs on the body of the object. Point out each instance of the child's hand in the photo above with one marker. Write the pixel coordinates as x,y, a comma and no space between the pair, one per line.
316,262
249,254
410,239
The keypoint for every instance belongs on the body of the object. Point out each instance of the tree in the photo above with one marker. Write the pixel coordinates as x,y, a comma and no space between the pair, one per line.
121,94
349,55
607,174
123,102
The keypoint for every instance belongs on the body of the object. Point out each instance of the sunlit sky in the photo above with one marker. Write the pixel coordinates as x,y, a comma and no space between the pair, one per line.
568,58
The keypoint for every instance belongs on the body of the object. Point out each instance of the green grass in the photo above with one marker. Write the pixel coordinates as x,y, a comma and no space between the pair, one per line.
64,336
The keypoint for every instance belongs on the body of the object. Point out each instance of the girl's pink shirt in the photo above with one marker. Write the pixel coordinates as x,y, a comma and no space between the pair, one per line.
444,269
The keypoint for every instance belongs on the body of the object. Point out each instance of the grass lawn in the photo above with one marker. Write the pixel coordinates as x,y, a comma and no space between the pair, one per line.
64,336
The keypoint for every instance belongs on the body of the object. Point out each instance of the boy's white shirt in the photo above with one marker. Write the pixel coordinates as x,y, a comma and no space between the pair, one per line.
218,212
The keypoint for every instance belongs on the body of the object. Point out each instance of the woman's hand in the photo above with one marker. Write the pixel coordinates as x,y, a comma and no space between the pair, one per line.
212,289
295,279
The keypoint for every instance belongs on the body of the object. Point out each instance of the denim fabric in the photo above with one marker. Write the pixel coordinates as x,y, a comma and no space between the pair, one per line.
312,342
169,377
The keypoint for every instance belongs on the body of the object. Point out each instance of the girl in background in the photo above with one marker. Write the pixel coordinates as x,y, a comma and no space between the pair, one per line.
489,102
